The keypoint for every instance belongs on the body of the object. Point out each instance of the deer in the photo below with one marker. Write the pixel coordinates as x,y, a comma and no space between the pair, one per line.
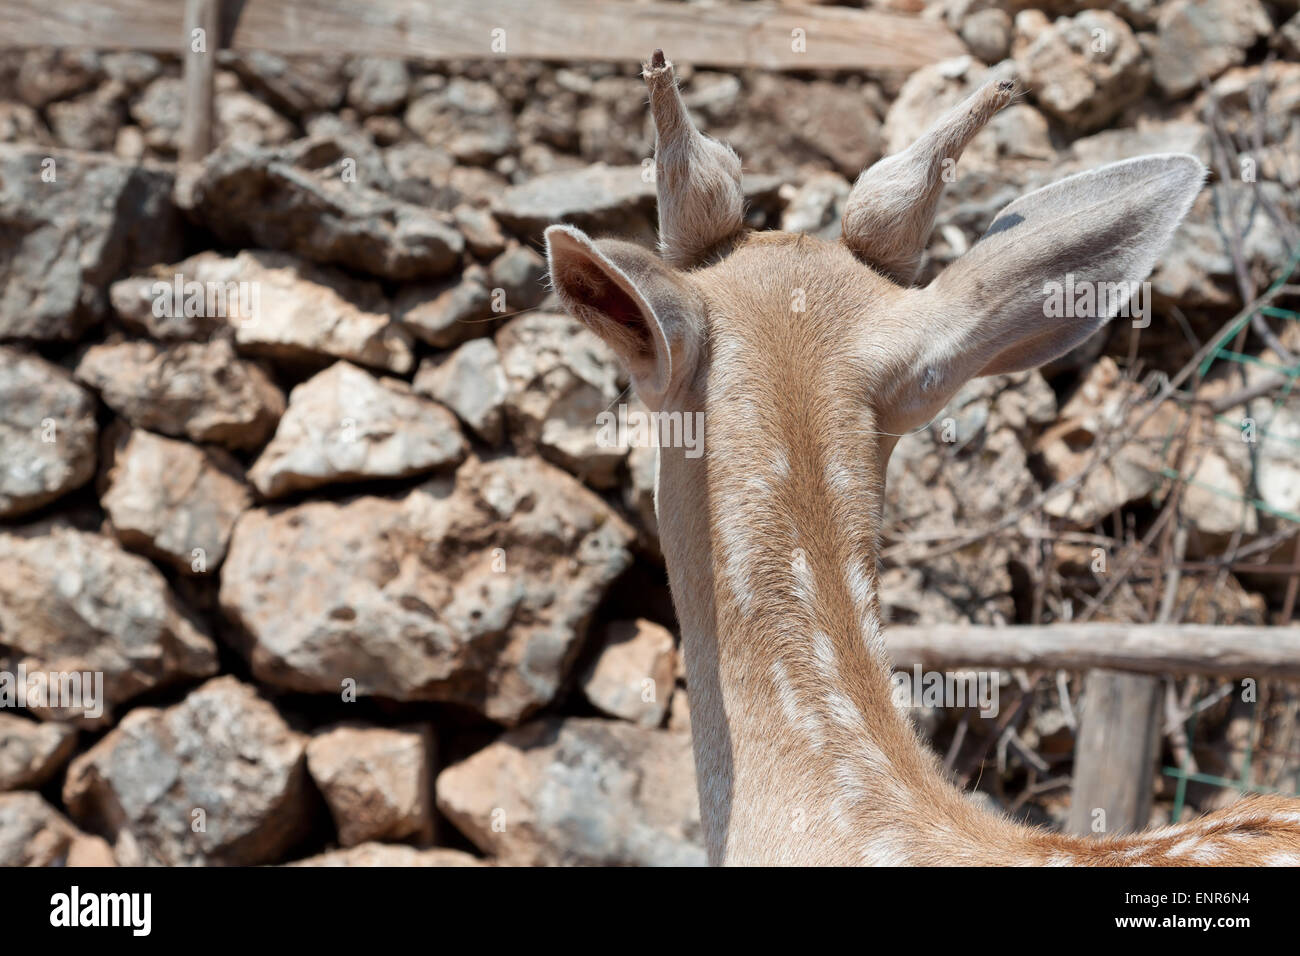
770,536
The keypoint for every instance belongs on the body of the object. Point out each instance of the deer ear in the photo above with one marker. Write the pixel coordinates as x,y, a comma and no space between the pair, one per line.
1002,307
648,313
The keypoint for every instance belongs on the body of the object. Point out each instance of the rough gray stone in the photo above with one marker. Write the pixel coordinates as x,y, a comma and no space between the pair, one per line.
197,390
579,791
47,431
294,199
222,756
377,781
67,238
561,377
173,500
1197,40
471,382
33,833
447,312
634,674
475,591
344,424
391,854
30,752
75,602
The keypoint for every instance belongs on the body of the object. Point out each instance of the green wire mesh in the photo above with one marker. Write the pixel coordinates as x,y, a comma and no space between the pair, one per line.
1183,774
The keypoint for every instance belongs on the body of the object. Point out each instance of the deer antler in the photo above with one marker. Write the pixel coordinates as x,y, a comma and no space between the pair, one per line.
701,203
890,212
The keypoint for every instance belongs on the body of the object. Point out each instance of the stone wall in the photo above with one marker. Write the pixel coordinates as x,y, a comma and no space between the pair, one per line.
301,458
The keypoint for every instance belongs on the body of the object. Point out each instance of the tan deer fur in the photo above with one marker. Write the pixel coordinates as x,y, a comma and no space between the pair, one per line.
771,535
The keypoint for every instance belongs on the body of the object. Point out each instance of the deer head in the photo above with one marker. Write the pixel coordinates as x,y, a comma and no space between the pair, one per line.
808,359
717,289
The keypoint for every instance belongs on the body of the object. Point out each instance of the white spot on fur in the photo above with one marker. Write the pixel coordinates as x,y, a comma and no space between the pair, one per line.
839,479
802,719
871,635
843,712
858,578
804,590
1208,853
737,555
887,848
824,652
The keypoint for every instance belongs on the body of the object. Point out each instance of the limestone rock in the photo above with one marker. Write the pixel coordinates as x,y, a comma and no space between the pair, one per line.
1196,269
75,602
446,312
297,85
47,431
1101,407
239,120
201,391
391,854
579,791
471,382
376,781
223,755
817,122
47,74
279,306
173,500
22,124
817,206
965,470
561,377
305,198
1198,39
598,198
33,833
467,117
1083,70
73,222
987,33
520,273
634,674
475,590
31,752
344,424
89,122
481,232
245,121
378,84
639,493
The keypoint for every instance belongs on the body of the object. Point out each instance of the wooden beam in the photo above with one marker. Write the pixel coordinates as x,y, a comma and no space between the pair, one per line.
763,35
199,55
1146,648
1115,754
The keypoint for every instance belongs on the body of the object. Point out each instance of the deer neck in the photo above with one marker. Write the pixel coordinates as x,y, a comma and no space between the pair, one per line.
801,756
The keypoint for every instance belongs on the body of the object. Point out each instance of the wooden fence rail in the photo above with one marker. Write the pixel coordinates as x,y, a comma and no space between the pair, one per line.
764,35
1257,652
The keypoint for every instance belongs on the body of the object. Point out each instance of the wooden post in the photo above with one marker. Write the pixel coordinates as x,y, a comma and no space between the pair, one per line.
1115,753
200,74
